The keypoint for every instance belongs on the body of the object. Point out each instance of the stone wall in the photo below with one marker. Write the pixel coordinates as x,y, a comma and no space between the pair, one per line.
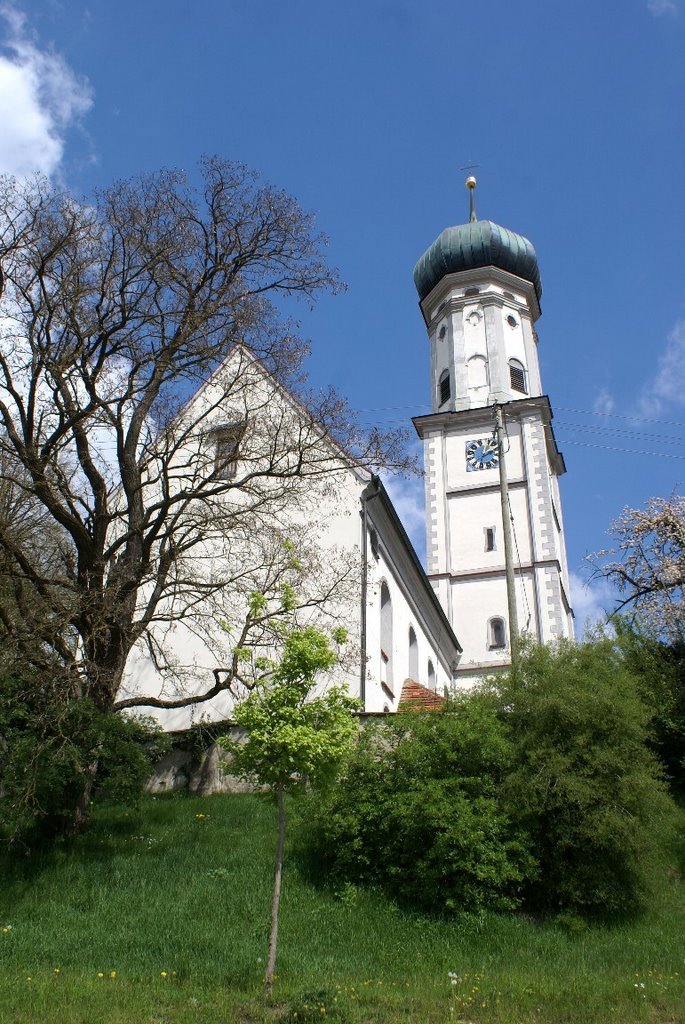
196,763
197,767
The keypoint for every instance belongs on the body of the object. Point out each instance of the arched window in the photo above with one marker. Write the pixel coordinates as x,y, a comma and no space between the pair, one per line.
413,661
497,634
517,376
431,675
444,387
386,639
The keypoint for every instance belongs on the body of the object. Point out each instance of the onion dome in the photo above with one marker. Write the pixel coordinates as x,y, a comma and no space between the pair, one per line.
477,244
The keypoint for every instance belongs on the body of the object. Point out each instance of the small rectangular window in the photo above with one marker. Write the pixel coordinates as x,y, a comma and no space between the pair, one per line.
489,538
444,388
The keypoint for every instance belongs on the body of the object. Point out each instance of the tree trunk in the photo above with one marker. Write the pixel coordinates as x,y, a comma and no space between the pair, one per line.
276,898
82,809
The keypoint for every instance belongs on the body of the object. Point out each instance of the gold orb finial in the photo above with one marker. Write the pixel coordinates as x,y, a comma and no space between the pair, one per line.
470,183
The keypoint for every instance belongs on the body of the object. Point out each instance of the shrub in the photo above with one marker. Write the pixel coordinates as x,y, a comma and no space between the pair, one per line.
48,745
417,812
537,788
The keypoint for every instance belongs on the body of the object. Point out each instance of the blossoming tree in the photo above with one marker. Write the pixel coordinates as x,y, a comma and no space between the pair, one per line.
647,566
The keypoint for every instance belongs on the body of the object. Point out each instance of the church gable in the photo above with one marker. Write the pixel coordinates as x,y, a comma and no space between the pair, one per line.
280,490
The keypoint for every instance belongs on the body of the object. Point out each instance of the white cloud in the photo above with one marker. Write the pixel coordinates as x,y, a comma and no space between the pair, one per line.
591,603
661,7
667,386
40,99
407,495
604,403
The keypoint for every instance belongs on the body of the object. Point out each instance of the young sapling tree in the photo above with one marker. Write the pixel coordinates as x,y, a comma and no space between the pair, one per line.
293,740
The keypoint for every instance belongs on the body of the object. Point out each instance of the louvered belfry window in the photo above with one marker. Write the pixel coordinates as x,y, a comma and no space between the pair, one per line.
517,376
444,387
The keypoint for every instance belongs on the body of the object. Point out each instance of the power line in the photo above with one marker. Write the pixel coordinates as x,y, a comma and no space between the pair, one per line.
419,409
518,555
616,432
621,416
625,451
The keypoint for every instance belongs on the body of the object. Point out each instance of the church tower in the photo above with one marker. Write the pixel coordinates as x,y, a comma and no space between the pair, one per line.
479,291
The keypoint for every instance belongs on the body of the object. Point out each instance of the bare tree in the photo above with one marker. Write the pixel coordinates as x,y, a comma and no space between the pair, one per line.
146,507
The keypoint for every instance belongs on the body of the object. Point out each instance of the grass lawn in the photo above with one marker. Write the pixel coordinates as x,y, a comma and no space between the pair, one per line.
160,916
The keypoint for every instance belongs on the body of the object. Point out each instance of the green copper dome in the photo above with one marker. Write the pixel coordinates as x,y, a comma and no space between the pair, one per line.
477,244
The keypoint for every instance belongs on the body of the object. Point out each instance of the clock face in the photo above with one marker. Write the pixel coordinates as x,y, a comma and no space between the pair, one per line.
481,454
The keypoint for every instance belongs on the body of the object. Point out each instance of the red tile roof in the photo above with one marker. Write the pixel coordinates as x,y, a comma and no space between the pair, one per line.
416,697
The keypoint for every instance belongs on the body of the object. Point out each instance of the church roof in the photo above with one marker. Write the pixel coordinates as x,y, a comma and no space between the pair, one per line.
416,697
480,243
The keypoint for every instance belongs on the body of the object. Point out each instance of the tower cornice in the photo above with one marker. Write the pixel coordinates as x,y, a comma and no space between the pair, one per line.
540,407
463,279
457,303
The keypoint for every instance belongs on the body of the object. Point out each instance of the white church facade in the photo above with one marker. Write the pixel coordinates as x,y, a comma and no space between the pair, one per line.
479,291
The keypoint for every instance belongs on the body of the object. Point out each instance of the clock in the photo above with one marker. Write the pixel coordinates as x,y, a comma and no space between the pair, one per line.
482,454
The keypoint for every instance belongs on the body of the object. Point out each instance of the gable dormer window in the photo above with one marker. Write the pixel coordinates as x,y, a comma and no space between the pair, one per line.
227,449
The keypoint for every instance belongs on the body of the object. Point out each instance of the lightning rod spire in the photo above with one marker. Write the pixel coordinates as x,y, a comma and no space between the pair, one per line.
471,186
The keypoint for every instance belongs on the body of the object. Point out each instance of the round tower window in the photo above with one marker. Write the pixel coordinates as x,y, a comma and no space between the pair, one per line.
512,321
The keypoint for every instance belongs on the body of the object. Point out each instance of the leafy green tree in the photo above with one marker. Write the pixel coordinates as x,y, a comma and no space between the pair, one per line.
418,812
660,671
584,785
293,740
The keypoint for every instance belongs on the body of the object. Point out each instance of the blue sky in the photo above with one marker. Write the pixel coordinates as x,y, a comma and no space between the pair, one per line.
366,112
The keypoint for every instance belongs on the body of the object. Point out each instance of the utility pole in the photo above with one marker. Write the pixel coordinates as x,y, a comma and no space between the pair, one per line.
506,530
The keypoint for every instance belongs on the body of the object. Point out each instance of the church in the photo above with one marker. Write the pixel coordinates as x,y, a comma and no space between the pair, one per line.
496,561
